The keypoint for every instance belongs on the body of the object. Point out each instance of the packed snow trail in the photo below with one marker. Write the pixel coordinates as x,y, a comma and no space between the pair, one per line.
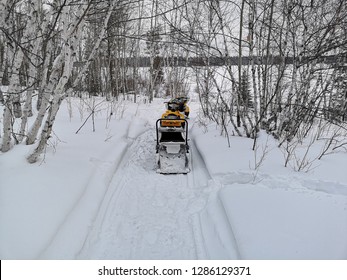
146,215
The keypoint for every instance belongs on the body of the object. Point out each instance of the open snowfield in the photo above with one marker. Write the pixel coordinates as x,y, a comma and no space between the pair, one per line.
96,195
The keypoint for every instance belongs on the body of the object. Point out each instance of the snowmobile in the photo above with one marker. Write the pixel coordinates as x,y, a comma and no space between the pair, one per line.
172,147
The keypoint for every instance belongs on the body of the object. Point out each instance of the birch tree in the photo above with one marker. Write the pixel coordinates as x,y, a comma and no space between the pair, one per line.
12,107
65,61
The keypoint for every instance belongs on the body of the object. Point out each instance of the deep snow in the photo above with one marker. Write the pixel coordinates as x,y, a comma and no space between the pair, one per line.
96,195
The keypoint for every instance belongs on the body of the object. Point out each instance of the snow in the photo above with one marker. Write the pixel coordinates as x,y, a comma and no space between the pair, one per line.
97,195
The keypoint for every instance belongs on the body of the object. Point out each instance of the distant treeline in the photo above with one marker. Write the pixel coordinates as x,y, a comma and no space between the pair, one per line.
221,61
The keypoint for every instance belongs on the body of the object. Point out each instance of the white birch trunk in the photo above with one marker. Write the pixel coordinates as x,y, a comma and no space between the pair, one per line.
47,92
3,12
3,15
12,103
56,85
48,89
7,114
14,89
7,129
33,30
69,52
46,131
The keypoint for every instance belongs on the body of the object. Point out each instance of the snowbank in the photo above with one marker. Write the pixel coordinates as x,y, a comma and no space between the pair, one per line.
270,212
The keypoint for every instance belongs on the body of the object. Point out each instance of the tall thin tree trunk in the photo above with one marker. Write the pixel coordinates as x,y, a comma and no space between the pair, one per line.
238,89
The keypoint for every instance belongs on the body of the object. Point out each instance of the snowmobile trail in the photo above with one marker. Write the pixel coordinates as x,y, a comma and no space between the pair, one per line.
146,215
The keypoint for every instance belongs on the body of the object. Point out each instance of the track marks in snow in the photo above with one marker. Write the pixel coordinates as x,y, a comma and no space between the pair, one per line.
146,215
220,215
82,215
201,175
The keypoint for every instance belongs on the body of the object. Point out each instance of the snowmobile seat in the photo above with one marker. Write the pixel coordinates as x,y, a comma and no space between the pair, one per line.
171,136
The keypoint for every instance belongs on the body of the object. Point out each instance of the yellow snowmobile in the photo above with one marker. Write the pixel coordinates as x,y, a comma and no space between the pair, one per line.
172,140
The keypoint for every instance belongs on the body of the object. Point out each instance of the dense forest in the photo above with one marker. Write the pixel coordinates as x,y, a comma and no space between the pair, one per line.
279,66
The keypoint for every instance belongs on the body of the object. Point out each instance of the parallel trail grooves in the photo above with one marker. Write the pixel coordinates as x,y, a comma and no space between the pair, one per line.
146,215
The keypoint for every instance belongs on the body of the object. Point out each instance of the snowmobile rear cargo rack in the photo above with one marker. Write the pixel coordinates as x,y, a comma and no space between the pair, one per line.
172,148
172,129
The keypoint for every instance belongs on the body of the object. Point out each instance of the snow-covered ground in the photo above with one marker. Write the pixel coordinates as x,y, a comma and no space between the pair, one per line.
96,195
